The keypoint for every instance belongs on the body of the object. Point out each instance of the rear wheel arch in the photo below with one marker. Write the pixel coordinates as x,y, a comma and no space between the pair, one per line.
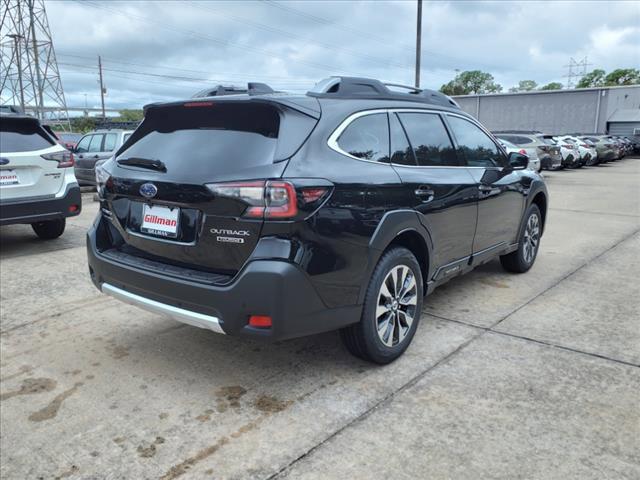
540,199
399,228
415,243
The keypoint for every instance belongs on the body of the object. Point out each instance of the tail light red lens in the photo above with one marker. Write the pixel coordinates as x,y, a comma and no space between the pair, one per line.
280,199
269,199
522,151
260,321
65,159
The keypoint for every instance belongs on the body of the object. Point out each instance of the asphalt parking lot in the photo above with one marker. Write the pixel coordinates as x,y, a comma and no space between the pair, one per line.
509,376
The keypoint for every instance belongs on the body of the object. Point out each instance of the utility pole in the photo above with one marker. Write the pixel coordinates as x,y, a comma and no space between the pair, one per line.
36,59
101,86
418,43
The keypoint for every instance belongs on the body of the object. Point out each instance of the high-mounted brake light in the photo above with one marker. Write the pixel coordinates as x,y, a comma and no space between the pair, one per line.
64,159
198,104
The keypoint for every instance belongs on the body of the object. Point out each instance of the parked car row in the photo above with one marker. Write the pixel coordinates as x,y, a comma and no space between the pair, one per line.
553,152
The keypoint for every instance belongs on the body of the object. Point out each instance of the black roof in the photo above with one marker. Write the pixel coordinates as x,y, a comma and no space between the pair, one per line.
332,88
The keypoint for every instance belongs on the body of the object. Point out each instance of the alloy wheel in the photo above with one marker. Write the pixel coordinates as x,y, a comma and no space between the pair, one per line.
531,238
397,305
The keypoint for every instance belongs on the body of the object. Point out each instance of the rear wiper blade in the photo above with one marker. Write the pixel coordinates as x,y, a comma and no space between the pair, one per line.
143,163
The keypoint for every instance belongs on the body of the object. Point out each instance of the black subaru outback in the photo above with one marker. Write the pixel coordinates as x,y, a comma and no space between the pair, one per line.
279,215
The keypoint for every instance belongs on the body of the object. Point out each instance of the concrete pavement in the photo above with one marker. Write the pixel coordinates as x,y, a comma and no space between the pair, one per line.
509,376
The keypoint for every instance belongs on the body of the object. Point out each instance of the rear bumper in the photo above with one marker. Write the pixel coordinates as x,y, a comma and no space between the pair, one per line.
275,288
31,210
549,162
85,176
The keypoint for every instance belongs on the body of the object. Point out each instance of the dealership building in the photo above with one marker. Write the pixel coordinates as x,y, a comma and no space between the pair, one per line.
613,110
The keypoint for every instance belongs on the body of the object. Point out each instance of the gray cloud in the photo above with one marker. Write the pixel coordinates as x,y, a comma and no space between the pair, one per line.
167,49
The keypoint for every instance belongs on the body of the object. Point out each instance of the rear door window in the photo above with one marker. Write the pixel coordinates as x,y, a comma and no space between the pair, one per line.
367,138
96,144
110,140
83,145
476,146
22,135
401,152
429,139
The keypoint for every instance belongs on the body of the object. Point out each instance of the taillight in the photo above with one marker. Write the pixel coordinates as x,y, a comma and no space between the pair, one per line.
64,159
271,199
522,151
584,145
280,200
569,146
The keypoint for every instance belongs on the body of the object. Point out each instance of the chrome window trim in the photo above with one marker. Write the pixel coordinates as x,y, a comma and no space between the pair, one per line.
332,141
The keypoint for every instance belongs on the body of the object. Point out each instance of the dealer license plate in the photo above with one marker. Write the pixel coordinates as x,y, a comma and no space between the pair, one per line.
160,221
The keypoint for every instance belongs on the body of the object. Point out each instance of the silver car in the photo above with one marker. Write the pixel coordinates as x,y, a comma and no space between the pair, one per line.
548,154
531,152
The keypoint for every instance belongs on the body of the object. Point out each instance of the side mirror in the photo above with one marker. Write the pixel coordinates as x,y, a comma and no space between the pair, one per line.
518,161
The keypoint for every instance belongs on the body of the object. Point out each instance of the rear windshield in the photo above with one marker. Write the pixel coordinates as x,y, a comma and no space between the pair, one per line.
227,137
22,135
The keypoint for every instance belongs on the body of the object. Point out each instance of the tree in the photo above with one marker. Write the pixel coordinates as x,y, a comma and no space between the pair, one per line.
552,86
473,81
623,76
83,124
592,79
127,115
524,86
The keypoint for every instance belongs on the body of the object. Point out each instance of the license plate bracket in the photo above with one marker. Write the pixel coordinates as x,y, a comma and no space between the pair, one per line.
160,221
9,177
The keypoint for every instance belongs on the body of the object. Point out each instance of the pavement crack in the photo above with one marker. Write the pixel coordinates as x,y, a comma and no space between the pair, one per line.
572,272
482,331
380,403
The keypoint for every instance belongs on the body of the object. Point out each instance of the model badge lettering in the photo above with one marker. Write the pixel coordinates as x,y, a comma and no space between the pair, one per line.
224,231
229,240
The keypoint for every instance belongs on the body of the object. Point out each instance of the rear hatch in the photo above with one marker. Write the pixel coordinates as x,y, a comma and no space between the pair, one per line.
186,188
24,169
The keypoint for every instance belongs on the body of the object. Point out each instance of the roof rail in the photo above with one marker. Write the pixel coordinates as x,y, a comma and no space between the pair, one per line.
528,132
253,88
11,109
372,89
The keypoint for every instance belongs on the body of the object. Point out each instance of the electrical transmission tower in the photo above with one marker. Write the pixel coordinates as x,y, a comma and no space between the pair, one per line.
577,70
29,75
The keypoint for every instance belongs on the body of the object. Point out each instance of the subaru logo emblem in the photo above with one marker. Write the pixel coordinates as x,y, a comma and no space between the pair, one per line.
4,161
148,190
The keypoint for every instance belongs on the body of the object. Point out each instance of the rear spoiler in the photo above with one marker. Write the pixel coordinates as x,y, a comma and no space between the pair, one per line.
303,104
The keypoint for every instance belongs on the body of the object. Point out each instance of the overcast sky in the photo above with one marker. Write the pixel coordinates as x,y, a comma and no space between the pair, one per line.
162,50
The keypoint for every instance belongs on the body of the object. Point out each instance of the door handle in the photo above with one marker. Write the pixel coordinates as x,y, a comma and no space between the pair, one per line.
96,156
485,188
425,192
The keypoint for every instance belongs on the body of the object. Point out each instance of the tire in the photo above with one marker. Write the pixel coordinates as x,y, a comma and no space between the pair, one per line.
50,229
524,257
402,316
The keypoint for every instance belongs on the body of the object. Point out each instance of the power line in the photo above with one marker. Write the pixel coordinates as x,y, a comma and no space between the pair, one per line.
195,34
448,59
159,75
330,46
177,69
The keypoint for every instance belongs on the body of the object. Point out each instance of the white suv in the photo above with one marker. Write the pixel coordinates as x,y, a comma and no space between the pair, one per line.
37,183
